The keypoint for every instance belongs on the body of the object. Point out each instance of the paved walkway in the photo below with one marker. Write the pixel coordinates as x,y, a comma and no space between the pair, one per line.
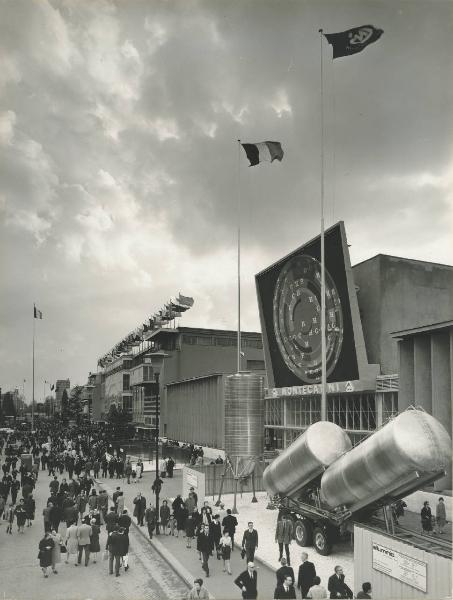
149,576
220,584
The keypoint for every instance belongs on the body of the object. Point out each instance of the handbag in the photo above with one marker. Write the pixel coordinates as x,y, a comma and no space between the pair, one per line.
63,548
242,553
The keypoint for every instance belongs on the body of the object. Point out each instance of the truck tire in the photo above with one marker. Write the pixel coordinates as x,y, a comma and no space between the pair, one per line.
321,541
303,532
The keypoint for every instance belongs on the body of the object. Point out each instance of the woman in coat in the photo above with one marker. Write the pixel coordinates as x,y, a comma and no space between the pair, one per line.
190,530
21,515
93,500
56,550
164,516
94,539
426,518
30,506
72,544
140,507
45,552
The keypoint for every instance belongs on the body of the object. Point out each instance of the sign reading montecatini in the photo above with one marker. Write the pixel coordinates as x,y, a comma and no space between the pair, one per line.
336,387
400,566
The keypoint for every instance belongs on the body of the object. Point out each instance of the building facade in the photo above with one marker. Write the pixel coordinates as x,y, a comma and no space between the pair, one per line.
117,388
386,295
192,355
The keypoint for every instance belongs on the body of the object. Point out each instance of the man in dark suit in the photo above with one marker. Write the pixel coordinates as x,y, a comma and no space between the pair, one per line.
250,542
307,573
247,581
285,590
283,572
337,586
229,524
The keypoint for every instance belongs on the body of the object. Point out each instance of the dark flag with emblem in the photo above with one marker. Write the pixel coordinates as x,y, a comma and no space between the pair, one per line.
353,40
263,151
37,314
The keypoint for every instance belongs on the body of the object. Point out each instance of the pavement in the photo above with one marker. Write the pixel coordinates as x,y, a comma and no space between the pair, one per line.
220,585
149,576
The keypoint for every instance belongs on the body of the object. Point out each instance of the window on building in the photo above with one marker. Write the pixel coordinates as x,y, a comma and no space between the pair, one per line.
248,343
126,382
225,341
255,365
352,412
273,411
389,405
204,340
189,339
148,373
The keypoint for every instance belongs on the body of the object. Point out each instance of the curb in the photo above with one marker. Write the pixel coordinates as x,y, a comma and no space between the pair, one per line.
185,575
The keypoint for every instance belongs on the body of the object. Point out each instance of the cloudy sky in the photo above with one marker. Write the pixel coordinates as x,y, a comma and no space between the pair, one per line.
120,170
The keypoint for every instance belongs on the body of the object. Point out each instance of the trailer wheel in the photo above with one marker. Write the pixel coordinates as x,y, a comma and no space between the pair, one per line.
321,541
303,532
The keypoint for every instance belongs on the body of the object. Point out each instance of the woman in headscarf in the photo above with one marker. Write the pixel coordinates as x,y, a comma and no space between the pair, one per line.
94,539
45,552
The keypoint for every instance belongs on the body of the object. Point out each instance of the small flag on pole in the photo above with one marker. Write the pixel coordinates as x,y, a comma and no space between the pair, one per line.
37,313
52,387
185,300
263,151
353,40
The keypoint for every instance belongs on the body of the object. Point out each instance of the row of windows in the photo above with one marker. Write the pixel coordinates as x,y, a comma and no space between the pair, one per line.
208,340
357,412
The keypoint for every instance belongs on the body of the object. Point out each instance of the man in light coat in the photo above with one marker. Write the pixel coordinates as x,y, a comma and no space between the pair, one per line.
284,536
84,532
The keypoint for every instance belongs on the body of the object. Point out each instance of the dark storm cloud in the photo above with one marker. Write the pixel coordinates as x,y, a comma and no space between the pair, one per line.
120,167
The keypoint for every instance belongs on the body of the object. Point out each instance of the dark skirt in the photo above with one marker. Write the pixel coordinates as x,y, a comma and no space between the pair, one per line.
226,552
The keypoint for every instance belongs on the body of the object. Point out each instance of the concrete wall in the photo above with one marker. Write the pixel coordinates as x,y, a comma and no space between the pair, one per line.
194,411
397,294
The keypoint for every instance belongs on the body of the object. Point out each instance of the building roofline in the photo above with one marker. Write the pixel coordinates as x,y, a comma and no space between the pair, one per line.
403,258
207,376
422,329
201,330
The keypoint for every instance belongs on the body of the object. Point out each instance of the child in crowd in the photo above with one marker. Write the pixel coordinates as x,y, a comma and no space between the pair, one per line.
172,524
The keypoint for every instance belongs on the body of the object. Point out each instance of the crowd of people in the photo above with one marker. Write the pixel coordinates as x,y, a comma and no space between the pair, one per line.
74,458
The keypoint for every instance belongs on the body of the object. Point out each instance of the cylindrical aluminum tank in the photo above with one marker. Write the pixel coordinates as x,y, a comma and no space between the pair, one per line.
318,447
244,420
413,441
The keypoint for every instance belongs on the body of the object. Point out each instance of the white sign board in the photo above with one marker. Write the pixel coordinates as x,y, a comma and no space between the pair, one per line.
400,566
195,479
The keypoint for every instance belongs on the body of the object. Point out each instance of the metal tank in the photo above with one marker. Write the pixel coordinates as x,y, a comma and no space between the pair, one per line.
317,448
244,421
413,441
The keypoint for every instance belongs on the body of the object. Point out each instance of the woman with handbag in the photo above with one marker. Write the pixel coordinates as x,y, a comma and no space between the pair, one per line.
56,550
45,552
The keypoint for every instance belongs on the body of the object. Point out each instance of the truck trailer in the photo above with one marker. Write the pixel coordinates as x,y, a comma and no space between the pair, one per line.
325,485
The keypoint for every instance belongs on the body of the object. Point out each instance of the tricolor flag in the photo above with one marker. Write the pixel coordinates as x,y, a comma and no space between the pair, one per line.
263,151
353,40
185,300
37,314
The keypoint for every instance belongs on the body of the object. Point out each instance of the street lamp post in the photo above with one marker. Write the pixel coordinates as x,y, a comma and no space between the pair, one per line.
157,361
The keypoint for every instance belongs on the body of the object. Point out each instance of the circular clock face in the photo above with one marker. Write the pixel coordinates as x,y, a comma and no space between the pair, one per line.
297,322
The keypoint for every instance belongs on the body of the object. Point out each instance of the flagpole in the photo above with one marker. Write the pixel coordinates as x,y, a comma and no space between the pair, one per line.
323,291
239,257
33,386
